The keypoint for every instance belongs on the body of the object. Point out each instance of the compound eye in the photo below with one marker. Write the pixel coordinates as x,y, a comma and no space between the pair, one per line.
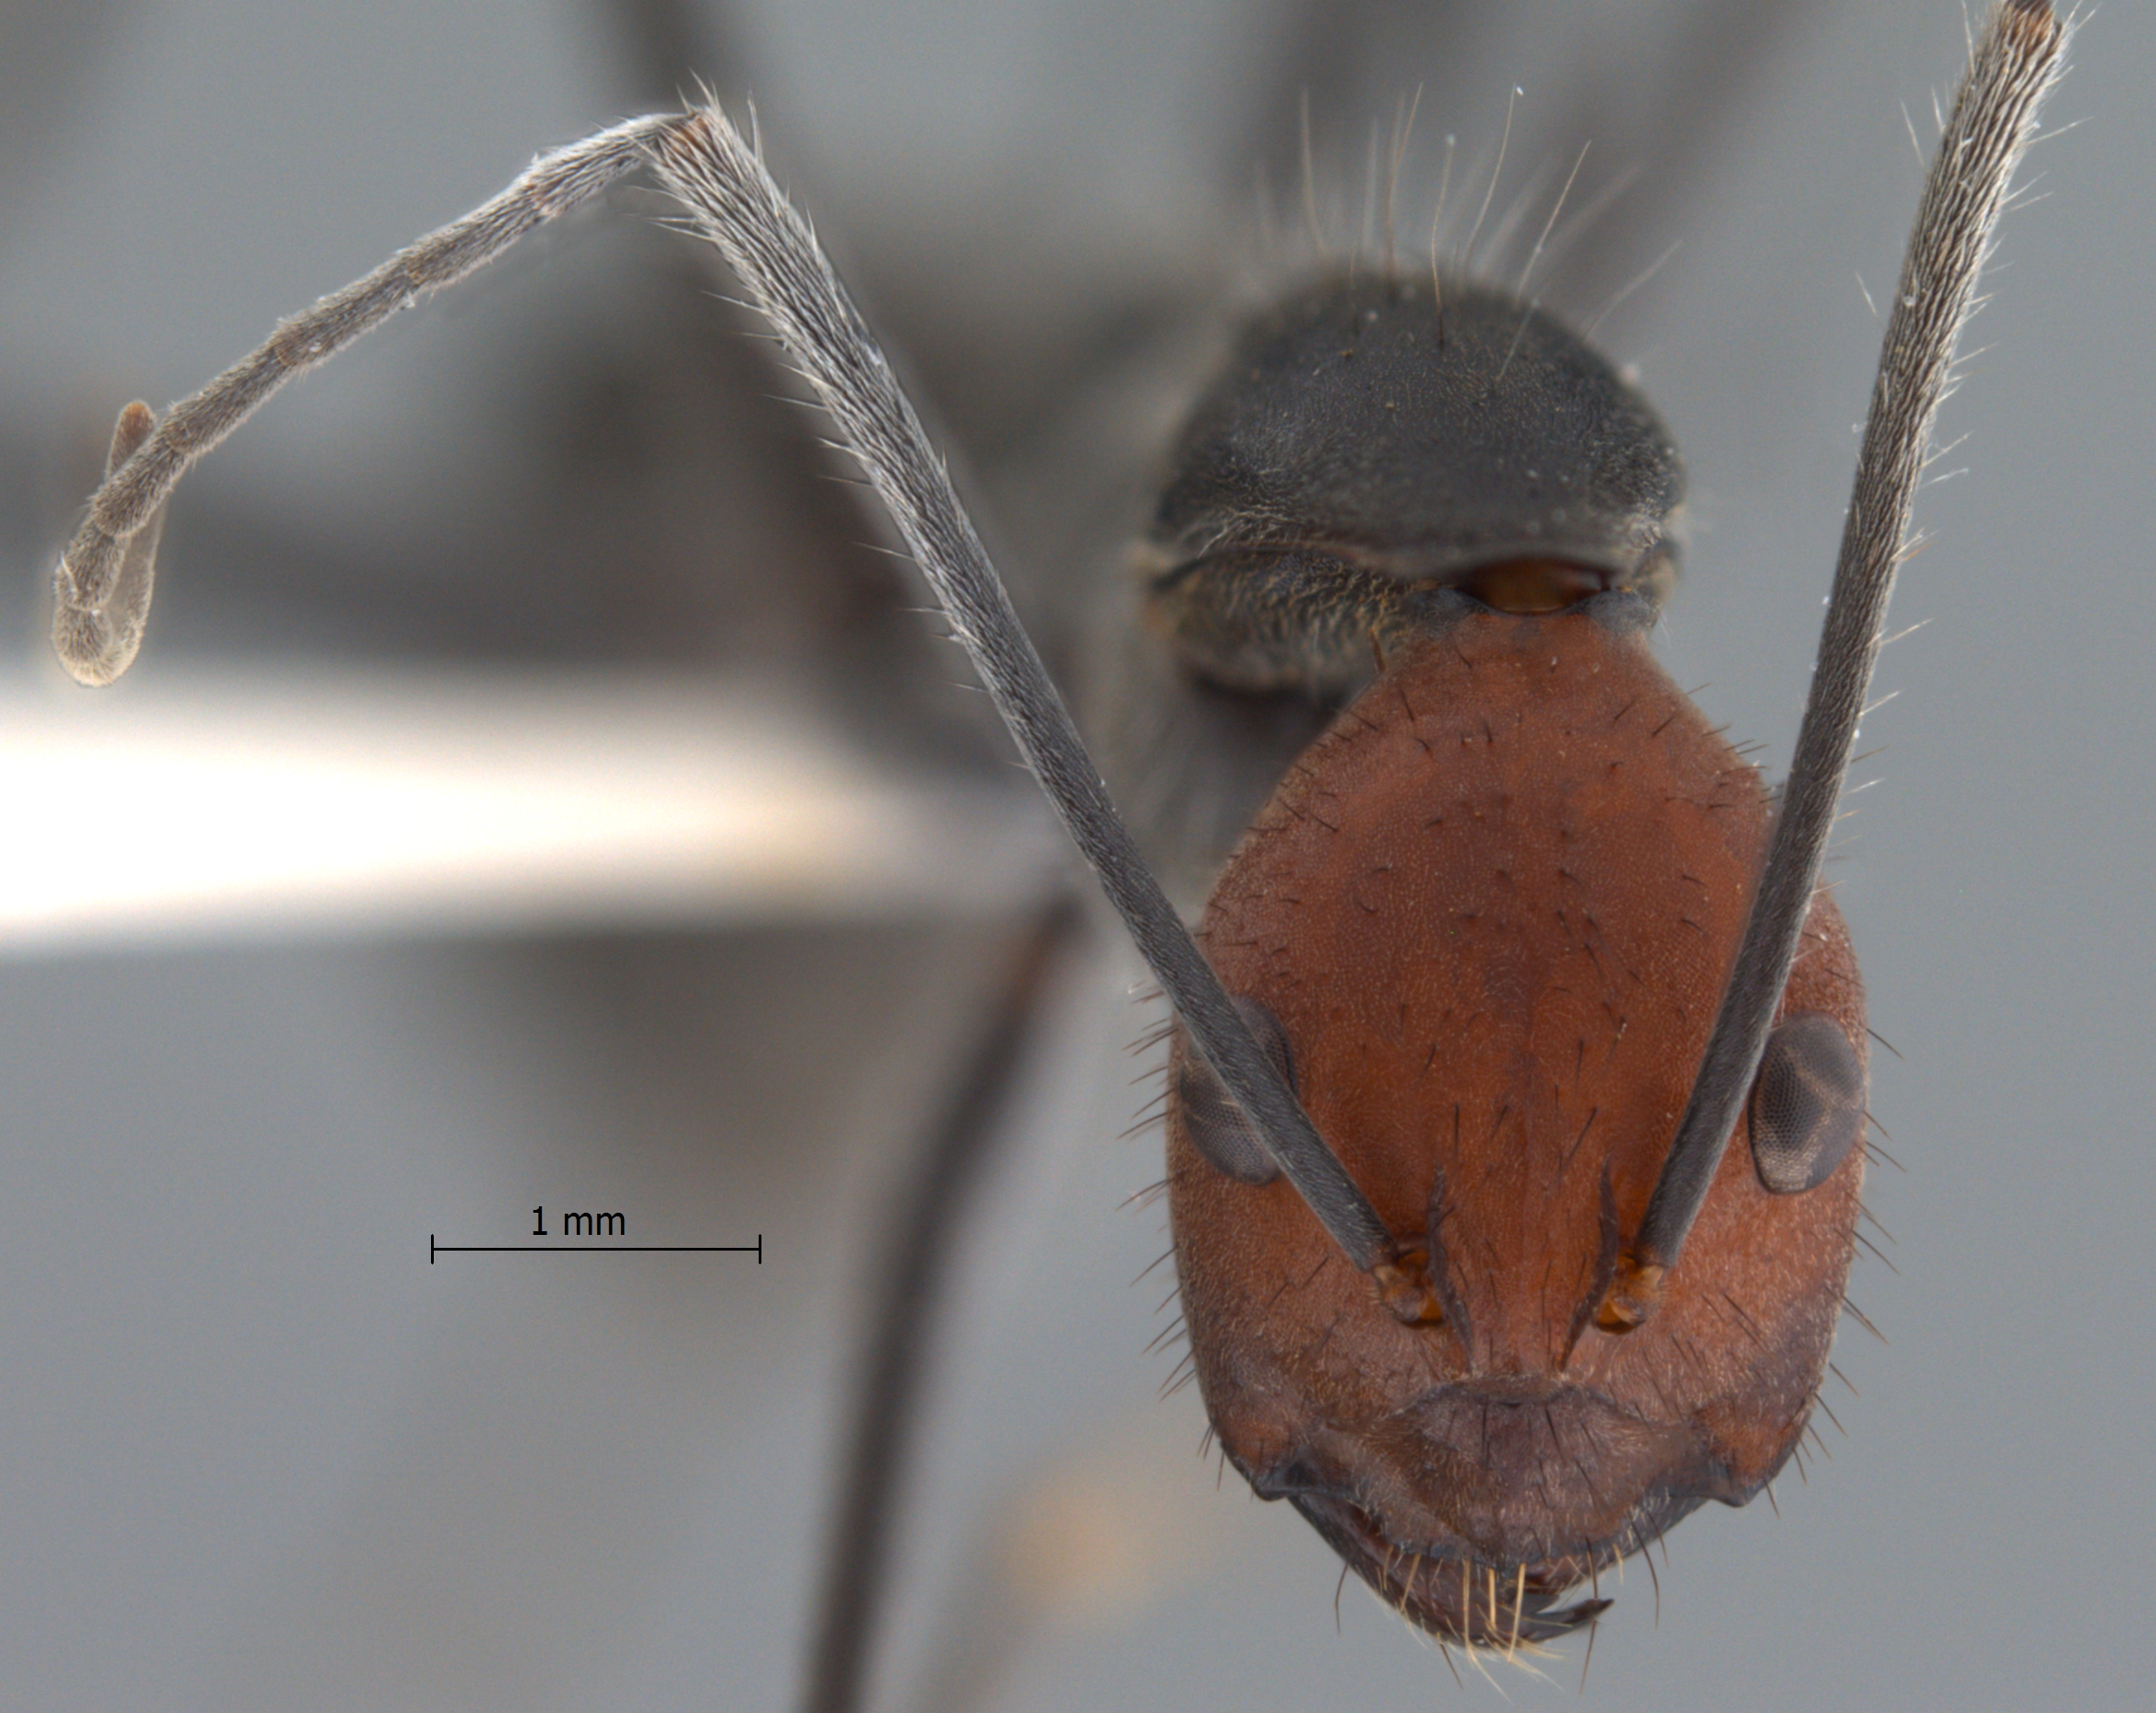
1807,1106
1212,1120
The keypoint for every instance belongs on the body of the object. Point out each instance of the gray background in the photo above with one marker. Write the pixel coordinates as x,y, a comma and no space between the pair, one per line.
254,1452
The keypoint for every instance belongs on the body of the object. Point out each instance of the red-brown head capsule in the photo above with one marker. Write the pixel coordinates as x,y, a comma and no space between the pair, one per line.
1489,917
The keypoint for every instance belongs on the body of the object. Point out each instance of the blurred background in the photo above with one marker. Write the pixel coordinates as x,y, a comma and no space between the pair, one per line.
535,791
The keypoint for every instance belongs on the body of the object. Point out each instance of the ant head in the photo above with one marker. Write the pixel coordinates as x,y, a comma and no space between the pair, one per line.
1484,925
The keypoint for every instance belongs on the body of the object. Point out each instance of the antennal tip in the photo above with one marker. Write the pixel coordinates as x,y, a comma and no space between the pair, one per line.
2032,21
101,593
85,643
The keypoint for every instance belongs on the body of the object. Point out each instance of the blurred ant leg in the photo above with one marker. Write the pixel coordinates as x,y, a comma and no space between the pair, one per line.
907,1282
95,634
734,201
1345,61
2016,60
1726,65
671,46
1319,60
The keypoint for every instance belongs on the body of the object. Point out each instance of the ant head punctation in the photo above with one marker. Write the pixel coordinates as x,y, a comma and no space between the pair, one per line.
1490,915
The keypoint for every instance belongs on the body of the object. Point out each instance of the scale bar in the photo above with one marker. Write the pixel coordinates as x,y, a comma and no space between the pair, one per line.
756,1249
